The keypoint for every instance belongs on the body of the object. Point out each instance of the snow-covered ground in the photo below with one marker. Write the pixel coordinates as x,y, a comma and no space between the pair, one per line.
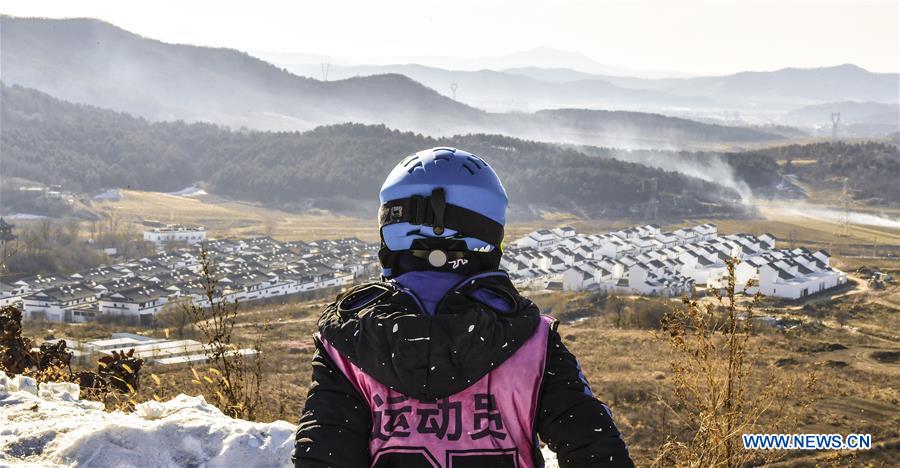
48,425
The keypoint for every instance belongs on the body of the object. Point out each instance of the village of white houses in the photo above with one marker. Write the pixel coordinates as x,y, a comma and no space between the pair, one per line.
641,260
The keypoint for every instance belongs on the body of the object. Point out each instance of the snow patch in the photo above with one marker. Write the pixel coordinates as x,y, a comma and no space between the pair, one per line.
62,391
47,425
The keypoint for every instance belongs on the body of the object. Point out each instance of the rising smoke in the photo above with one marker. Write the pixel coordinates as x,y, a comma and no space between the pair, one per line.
706,166
710,168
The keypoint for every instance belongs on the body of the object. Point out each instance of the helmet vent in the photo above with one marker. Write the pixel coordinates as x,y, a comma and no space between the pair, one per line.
466,167
414,166
409,159
478,162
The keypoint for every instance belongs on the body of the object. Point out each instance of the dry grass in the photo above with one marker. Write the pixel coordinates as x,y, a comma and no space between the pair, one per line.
629,370
237,219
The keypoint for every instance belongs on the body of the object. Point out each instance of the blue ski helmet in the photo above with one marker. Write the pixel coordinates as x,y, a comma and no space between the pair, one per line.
442,194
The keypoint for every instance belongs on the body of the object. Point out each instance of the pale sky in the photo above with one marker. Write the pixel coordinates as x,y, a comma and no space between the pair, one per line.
694,37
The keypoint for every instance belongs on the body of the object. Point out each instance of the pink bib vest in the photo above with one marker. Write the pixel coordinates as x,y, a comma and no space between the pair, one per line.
489,424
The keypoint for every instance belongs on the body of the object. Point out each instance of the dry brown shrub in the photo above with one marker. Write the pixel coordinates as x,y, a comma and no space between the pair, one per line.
722,389
234,381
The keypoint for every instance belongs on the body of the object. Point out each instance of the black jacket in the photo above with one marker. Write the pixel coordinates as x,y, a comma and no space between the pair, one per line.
336,422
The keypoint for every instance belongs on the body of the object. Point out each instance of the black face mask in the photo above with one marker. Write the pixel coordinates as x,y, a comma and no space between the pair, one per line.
439,254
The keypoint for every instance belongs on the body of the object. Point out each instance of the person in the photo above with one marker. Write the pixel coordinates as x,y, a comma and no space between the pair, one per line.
444,363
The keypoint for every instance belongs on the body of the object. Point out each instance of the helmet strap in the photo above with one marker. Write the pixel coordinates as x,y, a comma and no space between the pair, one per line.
435,212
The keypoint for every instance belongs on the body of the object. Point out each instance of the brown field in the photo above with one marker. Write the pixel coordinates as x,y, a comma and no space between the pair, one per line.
225,218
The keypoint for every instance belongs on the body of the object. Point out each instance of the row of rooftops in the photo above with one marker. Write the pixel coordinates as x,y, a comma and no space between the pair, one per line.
241,264
544,238
578,248
589,254
793,265
706,253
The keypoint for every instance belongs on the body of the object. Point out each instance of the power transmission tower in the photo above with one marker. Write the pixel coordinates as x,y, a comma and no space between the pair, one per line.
453,88
835,121
325,68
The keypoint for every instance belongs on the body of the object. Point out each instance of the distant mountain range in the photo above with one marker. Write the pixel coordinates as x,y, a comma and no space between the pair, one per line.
754,97
338,167
93,62
838,83
532,88
546,56
786,86
501,91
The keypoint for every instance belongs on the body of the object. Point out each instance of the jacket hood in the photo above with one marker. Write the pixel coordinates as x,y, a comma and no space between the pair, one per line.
381,329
